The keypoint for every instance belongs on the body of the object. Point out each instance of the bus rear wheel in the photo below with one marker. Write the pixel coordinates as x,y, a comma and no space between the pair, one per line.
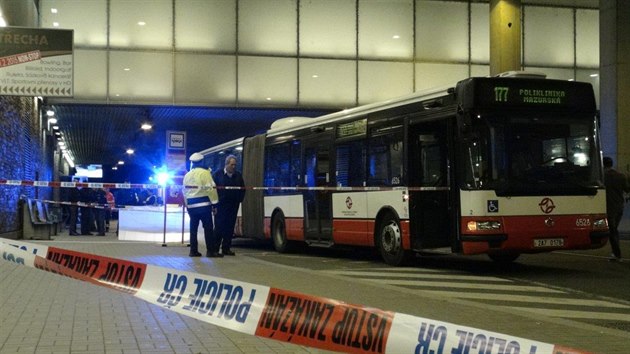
389,242
279,234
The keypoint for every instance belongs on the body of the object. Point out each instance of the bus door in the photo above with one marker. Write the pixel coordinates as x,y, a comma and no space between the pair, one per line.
318,218
428,173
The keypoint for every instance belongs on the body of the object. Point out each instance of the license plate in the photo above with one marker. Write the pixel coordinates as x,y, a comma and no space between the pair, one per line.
548,242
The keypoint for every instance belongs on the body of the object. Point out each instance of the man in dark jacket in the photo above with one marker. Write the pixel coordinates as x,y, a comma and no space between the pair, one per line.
616,183
229,200
87,197
73,197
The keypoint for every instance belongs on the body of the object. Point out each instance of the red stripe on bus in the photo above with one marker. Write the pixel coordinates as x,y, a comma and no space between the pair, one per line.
521,231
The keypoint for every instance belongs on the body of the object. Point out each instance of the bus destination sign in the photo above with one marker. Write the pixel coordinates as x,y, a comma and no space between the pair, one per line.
357,127
534,96
537,93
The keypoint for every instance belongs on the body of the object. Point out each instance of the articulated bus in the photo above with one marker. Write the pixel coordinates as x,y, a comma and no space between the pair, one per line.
500,166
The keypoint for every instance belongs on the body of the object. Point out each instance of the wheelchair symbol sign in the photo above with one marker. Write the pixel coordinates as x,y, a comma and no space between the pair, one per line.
493,206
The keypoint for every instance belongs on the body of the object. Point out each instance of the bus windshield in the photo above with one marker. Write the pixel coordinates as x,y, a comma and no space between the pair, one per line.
533,154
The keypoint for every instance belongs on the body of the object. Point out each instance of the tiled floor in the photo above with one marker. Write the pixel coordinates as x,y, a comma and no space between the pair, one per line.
41,312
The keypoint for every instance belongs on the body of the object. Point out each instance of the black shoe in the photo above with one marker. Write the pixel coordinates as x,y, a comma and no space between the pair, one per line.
214,255
194,254
229,253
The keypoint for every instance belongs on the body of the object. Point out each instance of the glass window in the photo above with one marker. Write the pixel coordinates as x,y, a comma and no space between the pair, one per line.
205,25
591,76
534,153
431,161
350,164
328,28
442,31
385,160
90,74
429,75
140,76
268,27
480,33
548,36
149,28
328,82
282,166
386,29
379,81
271,80
587,38
205,78
88,30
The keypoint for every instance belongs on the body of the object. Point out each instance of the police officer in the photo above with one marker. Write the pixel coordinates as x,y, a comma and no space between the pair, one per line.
199,202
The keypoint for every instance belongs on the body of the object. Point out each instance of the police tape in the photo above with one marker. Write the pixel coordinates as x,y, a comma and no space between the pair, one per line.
271,312
17,183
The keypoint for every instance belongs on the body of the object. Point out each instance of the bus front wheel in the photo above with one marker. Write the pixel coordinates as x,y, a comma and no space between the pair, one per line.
279,234
389,242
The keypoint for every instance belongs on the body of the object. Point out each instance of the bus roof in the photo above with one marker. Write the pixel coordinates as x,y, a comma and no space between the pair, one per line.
350,113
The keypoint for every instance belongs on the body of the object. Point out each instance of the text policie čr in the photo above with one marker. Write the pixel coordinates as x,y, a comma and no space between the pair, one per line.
432,339
207,297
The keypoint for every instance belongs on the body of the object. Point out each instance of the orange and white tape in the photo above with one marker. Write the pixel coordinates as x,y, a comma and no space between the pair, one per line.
271,312
10,182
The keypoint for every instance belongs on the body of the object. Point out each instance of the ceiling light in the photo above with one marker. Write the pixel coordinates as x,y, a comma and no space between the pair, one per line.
121,162
50,113
127,69
55,127
141,23
52,120
3,23
594,75
55,24
146,126
268,98
58,133
115,168
53,10
62,143
130,151
396,36
315,76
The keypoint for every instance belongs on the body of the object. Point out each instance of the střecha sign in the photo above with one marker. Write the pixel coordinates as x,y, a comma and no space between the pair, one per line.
36,62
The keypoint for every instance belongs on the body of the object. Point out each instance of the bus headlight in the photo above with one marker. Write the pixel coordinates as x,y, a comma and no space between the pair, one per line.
600,224
484,225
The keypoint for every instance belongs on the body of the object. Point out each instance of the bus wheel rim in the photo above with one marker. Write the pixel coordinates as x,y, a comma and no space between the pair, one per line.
391,238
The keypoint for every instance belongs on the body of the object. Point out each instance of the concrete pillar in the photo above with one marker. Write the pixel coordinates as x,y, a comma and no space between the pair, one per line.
614,70
505,36
20,13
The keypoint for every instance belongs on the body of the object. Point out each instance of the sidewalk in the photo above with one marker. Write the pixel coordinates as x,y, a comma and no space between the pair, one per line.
46,313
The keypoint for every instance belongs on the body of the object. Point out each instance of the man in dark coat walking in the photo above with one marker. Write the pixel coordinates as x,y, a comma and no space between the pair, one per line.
229,200
616,183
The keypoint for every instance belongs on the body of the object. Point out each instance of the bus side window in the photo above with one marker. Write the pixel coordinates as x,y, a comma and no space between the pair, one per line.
385,160
277,173
432,161
350,164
